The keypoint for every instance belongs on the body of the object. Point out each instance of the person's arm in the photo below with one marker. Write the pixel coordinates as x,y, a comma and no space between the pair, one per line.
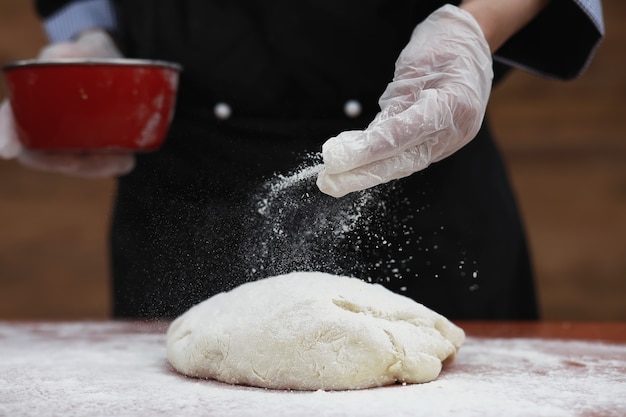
499,20
437,99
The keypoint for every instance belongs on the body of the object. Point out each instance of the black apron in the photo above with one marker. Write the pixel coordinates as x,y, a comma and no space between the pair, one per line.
230,201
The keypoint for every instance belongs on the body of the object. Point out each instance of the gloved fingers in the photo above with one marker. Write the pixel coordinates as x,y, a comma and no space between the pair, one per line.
91,44
390,133
82,165
446,117
376,173
10,146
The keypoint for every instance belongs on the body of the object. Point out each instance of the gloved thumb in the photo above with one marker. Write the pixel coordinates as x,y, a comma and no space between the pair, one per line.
10,146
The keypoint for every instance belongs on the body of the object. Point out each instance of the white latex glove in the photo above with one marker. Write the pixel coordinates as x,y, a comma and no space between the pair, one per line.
434,106
91,44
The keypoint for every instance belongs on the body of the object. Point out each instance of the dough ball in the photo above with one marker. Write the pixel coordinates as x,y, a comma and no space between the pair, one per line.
310,331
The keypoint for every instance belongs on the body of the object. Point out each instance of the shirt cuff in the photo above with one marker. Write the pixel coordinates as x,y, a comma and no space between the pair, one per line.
79,16
559,43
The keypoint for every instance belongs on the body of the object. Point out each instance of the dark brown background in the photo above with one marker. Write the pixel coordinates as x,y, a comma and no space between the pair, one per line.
565,144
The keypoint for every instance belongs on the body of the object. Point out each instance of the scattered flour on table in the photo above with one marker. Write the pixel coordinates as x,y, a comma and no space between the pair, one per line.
104,369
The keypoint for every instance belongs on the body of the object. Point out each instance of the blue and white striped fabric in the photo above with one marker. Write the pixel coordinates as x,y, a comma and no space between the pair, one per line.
593,9
79,16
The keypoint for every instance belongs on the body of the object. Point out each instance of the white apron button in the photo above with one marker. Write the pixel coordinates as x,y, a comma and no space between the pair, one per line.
352,108
222,111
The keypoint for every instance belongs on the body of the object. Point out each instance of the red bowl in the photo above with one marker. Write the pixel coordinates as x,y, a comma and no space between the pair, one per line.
103,104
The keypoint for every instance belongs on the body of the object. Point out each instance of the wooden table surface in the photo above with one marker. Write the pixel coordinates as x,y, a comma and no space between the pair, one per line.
119,368
599,331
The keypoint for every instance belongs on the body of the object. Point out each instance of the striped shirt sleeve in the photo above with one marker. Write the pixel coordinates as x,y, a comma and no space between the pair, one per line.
74,17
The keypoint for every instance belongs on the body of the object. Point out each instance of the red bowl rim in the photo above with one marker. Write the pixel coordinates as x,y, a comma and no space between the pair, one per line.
80,62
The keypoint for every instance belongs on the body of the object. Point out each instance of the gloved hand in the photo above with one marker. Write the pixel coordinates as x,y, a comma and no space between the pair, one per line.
91,44
434,105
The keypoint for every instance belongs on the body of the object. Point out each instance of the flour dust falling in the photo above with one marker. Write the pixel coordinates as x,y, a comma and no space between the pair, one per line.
304,229
379,234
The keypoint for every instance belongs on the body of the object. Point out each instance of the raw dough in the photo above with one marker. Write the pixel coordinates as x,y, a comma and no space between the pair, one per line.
310,331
